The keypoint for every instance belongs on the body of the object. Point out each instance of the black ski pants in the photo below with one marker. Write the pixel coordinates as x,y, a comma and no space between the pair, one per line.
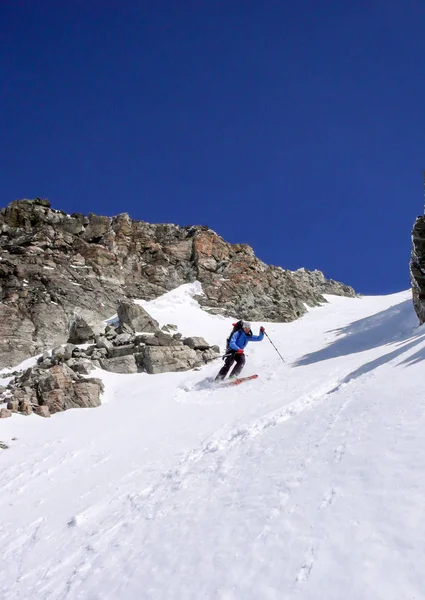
239,359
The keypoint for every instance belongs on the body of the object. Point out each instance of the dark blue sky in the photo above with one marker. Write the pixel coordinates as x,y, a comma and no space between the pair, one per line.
296,127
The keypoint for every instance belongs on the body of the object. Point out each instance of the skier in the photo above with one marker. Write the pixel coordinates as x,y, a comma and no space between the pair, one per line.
236,343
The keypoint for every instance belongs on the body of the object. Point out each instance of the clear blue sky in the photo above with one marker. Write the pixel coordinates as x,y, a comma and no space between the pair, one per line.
294,126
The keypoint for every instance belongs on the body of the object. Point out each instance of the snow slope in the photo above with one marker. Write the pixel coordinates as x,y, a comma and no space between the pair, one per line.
306,483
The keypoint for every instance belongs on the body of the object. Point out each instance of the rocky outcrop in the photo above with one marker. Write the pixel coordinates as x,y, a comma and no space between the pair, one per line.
61,275
59,381
417,268
47,391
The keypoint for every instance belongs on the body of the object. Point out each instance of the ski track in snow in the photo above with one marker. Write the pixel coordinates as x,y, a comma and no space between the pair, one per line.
252,510
154,502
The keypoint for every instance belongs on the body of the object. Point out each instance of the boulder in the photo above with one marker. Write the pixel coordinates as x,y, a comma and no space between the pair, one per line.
81,366
121,364
85,326
135,317
42,411
149,340
196,343
127,350
169,327
123,339
62,353
87,393
164,339
103,342
208,355
162,359
45,364
4,413
13,405
99,353
25,407
58,388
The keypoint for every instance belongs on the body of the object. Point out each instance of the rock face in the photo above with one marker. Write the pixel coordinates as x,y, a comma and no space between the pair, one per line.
417,268
61,275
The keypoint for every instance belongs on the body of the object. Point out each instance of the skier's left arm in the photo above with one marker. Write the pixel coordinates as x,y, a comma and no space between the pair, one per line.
258,338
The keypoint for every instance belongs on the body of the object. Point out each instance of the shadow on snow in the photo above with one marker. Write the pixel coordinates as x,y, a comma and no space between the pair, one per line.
395,324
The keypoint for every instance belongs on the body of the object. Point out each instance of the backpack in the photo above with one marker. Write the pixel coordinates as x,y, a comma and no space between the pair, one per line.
236,327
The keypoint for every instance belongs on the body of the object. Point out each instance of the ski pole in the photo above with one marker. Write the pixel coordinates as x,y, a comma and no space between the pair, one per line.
274,347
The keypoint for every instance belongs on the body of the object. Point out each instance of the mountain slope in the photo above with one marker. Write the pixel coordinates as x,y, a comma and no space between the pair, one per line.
305,483
54,265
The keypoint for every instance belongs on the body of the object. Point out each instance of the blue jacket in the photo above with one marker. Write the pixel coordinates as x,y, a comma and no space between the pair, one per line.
239,339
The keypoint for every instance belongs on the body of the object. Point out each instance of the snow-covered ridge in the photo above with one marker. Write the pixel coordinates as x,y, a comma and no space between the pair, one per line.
305,483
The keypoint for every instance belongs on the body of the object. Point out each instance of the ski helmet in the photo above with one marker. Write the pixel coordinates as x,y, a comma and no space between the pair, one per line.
246,325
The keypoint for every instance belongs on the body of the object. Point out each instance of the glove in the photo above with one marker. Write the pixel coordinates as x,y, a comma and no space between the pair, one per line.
262,330
240,351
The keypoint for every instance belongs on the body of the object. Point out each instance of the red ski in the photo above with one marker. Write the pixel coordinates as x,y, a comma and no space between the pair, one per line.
239,380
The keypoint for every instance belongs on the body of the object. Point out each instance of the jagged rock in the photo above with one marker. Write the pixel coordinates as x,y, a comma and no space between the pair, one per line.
111,334
120,364
55,386
19,395
177,336
46,364
25,407
125,329
81,366
87,393
123,339
135,317
166,340
163,359
103,342
4,413
79,353
13,405
59,389
169,327
149,340
44,357
85,327
117,351
417,268
99,353
42,411
62,353
16,333
57,269
208,355
196,343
